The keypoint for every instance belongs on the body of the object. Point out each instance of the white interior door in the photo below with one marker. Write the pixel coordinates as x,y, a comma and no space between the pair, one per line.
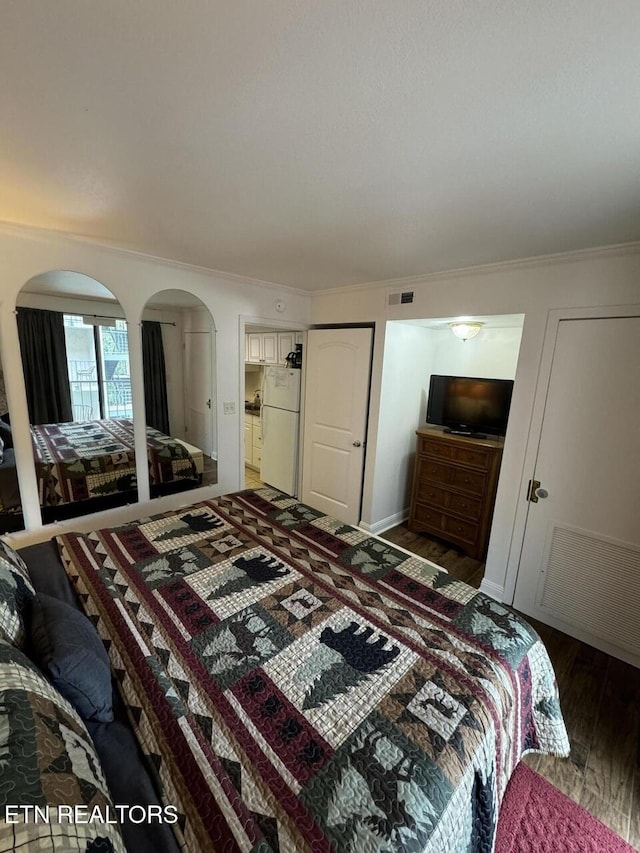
338,364
580,563
199,392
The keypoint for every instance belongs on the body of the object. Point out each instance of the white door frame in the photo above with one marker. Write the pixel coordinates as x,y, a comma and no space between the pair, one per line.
537,419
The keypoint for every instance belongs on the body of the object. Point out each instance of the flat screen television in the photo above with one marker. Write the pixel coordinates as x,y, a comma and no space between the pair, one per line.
465,405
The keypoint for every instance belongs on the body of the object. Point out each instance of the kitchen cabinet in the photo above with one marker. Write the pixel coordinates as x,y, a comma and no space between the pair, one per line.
261,347
248,441
269,347
252,441
254,347
286,344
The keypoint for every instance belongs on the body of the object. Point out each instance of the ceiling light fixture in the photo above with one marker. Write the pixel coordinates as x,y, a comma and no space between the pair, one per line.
464,331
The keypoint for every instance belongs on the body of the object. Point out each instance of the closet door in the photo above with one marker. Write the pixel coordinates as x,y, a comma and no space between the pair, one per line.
580,563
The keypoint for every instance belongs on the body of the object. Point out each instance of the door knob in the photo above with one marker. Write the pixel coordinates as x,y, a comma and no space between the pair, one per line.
541,493
357,443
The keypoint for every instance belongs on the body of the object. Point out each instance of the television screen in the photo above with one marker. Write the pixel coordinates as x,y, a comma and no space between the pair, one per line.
468,405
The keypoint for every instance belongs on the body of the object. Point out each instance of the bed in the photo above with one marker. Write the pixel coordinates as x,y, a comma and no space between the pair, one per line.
85,460
303,685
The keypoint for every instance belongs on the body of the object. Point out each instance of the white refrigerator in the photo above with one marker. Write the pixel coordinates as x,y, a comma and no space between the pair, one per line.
280,415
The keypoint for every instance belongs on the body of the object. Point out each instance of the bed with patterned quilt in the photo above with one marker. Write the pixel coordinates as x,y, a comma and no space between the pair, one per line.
93,459
302,685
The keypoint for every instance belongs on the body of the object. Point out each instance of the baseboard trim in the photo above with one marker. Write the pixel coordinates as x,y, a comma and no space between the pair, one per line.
493,590
385,523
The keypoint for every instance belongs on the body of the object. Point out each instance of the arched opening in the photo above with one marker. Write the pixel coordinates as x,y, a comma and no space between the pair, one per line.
178,341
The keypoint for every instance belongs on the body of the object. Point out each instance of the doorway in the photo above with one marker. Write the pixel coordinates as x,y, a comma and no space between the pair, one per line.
266,348
413,351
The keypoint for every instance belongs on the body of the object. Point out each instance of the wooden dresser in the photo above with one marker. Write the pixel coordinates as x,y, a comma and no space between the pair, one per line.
454,488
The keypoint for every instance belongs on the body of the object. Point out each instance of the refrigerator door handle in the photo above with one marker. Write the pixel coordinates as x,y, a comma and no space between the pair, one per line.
263,431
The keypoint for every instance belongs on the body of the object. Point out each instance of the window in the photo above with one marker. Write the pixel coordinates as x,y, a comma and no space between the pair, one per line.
98,365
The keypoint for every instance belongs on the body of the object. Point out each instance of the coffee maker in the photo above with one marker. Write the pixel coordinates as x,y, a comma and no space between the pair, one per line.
294,358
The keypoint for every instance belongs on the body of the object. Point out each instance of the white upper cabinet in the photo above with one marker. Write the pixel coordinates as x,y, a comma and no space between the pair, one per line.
254,347
268,347
286,344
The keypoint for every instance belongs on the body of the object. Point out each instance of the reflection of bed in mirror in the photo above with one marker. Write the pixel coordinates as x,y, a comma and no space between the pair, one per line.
85,466
10,505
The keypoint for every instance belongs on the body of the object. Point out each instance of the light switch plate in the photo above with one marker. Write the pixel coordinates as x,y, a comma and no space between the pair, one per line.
230,408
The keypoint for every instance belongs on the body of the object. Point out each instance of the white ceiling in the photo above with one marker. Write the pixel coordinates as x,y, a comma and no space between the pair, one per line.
316,144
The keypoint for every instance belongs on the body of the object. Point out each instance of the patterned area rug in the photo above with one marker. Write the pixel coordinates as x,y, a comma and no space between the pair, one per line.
537,818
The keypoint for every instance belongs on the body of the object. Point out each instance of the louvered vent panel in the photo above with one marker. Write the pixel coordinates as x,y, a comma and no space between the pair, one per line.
404,298
594,584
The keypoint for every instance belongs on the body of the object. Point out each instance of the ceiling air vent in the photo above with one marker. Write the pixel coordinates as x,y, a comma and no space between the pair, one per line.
404,298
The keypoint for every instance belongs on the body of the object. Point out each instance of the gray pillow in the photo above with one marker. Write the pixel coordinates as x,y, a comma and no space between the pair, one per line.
16,593
69,651
5,434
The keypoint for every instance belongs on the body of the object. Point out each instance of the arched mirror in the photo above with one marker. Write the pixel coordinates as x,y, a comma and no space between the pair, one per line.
178,356
75,358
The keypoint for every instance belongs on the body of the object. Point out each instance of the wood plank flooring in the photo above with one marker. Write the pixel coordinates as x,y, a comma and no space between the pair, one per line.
209,471
600,699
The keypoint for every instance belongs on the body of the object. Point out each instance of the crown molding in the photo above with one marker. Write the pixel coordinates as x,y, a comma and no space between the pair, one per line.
35,231
573,256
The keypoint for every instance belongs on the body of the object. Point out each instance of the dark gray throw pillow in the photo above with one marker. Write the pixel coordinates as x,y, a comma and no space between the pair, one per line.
5,434
66,646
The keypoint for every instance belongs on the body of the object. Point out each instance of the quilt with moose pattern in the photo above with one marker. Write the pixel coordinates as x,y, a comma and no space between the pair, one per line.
302,685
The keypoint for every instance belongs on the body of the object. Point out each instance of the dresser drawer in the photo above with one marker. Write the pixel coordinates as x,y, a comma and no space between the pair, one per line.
457,529
469,507
434,496
430,471
476,457
438,522
464,505
468,481
427,518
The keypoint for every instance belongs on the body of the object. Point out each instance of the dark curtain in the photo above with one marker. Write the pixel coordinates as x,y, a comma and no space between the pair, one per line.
44,361
155,377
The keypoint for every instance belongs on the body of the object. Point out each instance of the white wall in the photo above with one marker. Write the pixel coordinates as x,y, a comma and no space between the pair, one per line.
409,353
533,288
493,354
133,279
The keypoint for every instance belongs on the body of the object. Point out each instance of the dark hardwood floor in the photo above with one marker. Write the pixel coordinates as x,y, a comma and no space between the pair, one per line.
600,699
210,471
